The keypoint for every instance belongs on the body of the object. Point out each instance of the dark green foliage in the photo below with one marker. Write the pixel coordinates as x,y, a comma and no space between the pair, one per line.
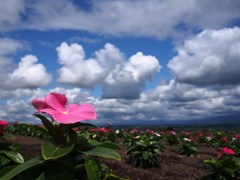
188,148
67,155
144,153
225,168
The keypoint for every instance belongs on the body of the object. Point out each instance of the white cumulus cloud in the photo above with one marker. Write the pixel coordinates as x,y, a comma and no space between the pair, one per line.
210,57
128,80
29,74
119,78
76,69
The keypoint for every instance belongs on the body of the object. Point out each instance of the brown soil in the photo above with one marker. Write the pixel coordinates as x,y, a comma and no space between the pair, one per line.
172,165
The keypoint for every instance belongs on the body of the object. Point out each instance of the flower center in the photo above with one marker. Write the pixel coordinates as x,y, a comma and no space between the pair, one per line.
65,112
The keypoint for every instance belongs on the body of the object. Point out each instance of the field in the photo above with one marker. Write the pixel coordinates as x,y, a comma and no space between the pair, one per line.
179,155
172,165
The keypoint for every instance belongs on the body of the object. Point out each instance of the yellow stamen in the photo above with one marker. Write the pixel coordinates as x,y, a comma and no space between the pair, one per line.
65,112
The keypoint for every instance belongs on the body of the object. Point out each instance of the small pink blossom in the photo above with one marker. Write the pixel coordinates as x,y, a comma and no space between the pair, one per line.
15,123
218,154
228,151
103,129
75,129
54,105
133,131
224,139
93,130
237,136
223,151
2,124
152,132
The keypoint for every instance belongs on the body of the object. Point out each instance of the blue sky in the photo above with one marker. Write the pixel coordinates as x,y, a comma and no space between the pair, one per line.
135,61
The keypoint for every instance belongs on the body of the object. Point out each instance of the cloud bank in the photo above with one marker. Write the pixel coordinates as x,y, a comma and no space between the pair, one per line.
153,18
169,101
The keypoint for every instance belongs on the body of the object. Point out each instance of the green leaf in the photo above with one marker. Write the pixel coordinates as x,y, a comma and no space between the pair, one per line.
20,168
229,171
93,168
5,170
46,123
56,173
210,161
4,160
106,145
83,144
52,151
15,156
110,145
111,176
80,124
145,155
94,142
103,152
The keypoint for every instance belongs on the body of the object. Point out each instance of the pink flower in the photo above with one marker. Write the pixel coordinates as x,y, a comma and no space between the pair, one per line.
224,139
152,132
54,105
2,124
133,131
75,129
218,154
237,136
223,151
93,130
15,123
228,151
41,125
103,129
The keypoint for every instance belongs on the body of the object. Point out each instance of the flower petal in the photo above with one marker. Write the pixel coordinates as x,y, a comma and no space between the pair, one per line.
66,118
84,111
3,122
38,103
56,101
50,112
